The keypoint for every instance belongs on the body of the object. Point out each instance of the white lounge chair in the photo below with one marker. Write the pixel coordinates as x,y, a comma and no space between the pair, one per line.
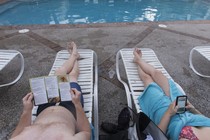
205,52
88,80
5,57
136,86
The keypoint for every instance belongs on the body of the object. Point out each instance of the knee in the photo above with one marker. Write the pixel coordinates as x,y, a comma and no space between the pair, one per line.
74,73
146,77
60,71
156,72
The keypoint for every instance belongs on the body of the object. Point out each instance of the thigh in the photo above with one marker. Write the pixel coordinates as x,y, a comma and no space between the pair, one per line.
61,71
162,81
70,106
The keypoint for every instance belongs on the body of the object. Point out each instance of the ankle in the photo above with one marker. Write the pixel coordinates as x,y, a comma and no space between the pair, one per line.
137,59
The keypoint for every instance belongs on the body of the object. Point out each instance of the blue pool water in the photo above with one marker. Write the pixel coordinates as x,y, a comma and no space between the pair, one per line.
21,12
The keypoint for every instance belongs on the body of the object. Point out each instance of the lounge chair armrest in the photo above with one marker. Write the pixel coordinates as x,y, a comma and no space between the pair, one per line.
128,92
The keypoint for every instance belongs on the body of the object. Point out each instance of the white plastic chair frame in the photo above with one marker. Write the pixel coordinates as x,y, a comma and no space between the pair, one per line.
5,57
136,86
205,52
89,84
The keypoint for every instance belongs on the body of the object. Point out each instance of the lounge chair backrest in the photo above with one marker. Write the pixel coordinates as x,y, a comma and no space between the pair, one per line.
205,52
5,57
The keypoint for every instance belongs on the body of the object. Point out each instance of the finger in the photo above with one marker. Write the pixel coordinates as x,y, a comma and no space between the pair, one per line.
30,98
26,97
76,92
188,107
188,103
72,91
173,104
176,107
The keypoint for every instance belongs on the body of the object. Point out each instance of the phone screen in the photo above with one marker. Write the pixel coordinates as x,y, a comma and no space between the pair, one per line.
181,102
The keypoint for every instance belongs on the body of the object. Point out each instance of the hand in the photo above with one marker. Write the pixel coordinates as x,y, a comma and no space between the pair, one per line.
27,102
172,109
75,94
189,106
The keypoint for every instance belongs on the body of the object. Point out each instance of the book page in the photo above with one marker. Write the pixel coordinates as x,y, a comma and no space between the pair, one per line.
65,91
64,87
39,91
51,83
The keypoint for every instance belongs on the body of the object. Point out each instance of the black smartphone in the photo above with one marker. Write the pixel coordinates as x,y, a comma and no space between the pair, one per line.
181,102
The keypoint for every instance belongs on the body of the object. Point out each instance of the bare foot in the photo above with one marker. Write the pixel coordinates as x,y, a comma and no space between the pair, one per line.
72,49
137,55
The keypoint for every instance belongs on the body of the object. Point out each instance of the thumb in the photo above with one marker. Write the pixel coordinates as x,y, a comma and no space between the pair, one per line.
30,97
187,106
176,108
72,93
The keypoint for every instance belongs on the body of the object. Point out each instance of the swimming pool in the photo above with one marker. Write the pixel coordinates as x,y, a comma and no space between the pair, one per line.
22,12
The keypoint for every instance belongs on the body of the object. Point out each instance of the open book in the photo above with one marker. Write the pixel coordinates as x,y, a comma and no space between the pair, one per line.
49,89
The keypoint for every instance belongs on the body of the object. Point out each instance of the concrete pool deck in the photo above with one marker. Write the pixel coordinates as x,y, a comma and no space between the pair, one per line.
39,46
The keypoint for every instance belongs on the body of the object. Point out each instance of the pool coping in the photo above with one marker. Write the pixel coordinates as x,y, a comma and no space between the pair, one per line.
99,25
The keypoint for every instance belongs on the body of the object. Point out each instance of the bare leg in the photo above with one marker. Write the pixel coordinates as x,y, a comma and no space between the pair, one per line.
69,64
147,79
73,75
156,75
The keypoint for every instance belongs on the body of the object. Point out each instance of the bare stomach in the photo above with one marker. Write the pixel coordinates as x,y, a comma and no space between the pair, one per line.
54,123
55,114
